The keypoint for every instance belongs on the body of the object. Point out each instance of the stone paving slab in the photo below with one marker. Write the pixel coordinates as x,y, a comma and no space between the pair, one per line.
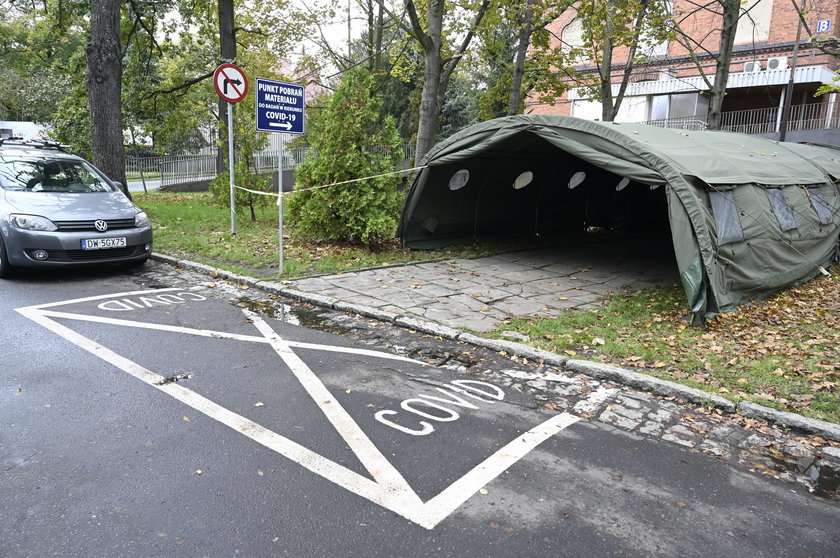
477,294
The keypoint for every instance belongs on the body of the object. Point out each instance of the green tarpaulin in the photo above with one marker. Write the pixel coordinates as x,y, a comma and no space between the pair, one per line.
747,216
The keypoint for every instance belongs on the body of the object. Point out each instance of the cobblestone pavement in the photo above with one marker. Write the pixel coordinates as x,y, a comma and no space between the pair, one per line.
747,443
477,294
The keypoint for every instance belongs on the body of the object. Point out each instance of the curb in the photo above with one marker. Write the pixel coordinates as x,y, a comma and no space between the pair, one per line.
657,386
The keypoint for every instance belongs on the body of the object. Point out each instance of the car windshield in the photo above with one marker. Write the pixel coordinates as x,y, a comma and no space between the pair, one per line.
50,175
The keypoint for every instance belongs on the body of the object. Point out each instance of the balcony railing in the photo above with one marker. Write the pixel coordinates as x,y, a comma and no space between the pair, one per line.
811,116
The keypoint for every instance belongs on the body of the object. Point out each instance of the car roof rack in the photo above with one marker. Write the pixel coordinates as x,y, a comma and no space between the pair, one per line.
38,144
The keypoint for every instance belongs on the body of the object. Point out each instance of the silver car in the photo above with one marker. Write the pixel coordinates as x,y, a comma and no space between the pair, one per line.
58,210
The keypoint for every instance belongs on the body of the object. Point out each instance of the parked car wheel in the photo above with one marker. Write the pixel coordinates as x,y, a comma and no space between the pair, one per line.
5,267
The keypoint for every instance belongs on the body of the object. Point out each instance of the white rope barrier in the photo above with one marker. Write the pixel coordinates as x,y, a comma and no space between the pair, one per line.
261,193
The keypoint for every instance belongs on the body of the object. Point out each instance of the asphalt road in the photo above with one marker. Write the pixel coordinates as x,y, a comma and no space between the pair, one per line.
142,415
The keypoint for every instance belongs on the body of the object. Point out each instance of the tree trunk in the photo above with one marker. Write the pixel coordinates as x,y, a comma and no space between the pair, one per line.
377,40
104,81
731,14
605,68
429,107
519,63
227,45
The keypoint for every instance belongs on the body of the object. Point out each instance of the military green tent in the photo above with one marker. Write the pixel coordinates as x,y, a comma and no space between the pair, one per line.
747,216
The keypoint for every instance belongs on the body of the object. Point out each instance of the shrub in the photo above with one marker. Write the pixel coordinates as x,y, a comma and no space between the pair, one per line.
349,143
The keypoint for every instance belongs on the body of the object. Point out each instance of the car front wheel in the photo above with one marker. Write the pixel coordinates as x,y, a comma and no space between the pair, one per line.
5,267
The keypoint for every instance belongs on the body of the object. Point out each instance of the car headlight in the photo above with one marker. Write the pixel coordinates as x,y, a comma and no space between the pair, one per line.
32,223
141,220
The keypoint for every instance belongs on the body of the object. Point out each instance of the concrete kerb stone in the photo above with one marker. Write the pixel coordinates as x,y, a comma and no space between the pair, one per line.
648,383
430,328
830,453
820,427
514,349
317,300
366,311
207,270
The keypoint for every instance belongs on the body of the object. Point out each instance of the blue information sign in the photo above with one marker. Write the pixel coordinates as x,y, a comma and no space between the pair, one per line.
280,106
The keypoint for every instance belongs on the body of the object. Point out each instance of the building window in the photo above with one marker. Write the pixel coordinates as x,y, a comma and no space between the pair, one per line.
727,222
754,23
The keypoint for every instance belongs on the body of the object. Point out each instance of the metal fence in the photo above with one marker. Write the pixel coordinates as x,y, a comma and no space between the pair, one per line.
191,168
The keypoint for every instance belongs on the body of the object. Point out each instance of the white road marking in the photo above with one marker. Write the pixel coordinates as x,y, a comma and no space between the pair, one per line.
380,468
442,505
389,489
222,335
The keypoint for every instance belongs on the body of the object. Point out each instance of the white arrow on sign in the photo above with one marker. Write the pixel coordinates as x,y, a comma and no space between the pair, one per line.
387,487
287,125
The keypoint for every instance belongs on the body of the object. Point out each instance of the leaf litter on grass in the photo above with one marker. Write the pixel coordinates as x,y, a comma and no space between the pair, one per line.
783,352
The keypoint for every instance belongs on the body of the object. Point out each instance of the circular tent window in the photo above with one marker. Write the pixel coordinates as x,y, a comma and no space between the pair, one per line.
576,180
623,184
523,180
459,179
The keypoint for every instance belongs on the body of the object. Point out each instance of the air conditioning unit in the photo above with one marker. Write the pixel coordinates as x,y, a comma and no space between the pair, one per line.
777,63
753,66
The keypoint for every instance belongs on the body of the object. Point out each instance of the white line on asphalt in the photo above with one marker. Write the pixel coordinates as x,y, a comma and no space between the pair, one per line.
390,490
380,468
221,335
439,507
104,296
402,502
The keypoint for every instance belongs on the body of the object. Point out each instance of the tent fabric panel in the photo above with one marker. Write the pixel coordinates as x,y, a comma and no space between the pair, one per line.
607,155
772,266
728,158
687,253
827,157
769,259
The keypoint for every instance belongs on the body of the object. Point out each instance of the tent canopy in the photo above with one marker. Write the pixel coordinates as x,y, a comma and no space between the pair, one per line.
747,216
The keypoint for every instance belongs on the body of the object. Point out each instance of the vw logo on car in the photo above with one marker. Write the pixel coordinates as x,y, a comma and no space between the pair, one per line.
100,225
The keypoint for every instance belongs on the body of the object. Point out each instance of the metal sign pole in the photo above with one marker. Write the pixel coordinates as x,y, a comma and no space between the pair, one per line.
230,169
280,200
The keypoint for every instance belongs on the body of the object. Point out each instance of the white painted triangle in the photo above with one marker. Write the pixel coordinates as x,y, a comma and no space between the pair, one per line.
388,488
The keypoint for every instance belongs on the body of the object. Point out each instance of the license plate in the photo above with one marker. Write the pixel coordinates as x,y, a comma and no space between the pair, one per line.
103,243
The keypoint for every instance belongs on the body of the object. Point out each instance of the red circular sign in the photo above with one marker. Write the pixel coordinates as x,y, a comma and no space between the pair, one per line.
230,82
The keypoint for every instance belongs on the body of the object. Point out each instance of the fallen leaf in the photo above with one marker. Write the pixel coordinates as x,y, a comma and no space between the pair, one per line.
259,404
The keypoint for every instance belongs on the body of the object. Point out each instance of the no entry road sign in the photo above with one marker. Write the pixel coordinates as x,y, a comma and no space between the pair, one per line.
280,106
230,82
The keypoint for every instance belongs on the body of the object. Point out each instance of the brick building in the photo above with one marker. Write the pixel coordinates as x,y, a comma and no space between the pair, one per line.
667,89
